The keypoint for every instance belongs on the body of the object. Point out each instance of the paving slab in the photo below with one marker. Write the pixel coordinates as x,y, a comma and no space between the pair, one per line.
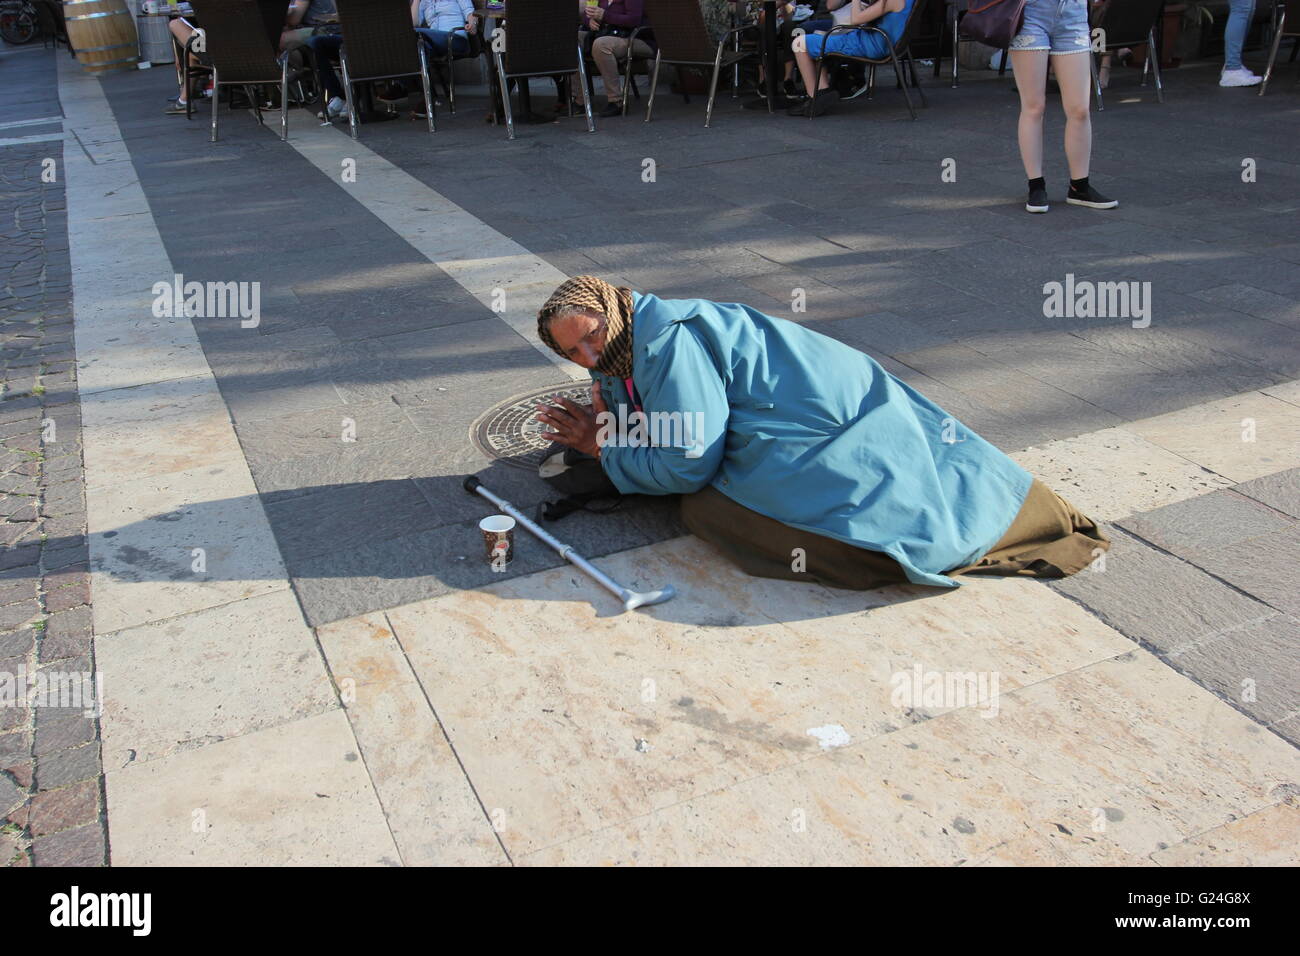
1114,472
154,430
1263,838
1280,491
1160,600
1206,523
432,810
1104,765
1241,437
296,794
208,676
143,536
723,682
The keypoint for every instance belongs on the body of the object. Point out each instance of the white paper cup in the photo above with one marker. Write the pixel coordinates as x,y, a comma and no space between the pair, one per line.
498,530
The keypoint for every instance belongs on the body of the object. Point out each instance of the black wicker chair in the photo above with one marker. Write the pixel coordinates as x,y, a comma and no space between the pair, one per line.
235,38
380,43
1280,30
1127,23
541,39
683,40
897,53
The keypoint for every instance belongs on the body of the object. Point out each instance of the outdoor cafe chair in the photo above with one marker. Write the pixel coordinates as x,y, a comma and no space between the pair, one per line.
952,27
1127,23
897,53
683,40
235,38
380,43
1281,30
540,39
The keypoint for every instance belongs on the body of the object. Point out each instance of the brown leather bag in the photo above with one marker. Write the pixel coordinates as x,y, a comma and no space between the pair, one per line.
994,22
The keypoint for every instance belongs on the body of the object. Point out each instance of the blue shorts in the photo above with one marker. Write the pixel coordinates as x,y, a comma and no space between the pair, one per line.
857,43
1060,26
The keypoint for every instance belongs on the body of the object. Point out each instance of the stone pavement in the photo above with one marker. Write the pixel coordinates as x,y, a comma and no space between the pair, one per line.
304,664
51,786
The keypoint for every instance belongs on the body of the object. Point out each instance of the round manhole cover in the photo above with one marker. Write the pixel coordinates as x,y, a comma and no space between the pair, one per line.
511,433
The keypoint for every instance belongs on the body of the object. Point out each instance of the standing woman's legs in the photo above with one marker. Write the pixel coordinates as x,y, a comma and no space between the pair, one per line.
1240,13
1074,77
1030,69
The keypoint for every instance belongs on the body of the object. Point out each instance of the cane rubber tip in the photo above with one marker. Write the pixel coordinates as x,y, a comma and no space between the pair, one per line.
472,483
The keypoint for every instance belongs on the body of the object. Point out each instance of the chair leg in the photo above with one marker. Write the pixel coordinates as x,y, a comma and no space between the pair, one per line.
348,95
284,100
1272,51
871,79
1096,77
654,87
216,97
505,96
898,72
627,80
257,107
1096,81
582,77
451,81
428,84
915,82
713,86
1153,58
956,50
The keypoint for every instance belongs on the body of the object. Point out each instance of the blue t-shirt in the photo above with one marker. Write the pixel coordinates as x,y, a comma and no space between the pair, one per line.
865,42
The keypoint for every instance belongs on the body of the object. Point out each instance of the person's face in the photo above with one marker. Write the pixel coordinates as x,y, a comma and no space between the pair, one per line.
580,336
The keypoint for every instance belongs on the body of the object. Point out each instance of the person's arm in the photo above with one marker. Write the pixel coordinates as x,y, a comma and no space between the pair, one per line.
415,13
684,380
625,13
467,11
866,12
296,12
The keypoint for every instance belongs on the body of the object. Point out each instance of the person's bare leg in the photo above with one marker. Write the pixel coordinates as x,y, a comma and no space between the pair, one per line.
808,68
182,32
1075,81
1030,69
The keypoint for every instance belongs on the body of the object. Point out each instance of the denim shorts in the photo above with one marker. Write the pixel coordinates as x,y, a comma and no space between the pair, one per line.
1060,26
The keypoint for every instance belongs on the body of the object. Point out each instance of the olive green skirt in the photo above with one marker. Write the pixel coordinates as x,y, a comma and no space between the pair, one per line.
1048,539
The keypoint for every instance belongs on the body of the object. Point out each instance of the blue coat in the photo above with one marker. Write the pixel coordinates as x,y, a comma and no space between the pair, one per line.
813,433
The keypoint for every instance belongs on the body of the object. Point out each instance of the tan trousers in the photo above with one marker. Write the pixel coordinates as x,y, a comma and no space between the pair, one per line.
607,51
1048,539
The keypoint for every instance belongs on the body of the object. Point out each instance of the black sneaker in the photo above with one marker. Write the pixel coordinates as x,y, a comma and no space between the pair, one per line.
823,101
611,109
1091,198
799,107
1037,201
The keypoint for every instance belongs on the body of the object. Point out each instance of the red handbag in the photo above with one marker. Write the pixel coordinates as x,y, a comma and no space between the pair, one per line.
994,22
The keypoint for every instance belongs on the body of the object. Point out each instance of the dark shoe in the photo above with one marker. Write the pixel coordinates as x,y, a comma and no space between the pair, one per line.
799,108
611,109
1037,200
788,87
823,101
1091,198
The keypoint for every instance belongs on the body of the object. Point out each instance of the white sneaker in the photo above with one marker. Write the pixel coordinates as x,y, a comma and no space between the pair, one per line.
1242,77
336,108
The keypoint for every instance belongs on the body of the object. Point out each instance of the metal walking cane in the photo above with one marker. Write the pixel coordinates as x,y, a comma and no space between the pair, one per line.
631,599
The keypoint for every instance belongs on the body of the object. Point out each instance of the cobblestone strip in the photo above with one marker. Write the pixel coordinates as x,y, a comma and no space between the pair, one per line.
51,778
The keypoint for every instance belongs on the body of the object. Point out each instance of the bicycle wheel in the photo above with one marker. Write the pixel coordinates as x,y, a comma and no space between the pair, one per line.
18,27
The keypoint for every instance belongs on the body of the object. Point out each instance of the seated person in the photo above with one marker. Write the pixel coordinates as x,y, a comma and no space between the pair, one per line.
444,23
808,461
305,19
889,15
181,30
613,22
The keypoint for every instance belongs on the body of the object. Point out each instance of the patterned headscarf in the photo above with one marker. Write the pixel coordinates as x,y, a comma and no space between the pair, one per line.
595,295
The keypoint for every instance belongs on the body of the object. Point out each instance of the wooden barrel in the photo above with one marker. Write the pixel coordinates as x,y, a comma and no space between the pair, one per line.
103,34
